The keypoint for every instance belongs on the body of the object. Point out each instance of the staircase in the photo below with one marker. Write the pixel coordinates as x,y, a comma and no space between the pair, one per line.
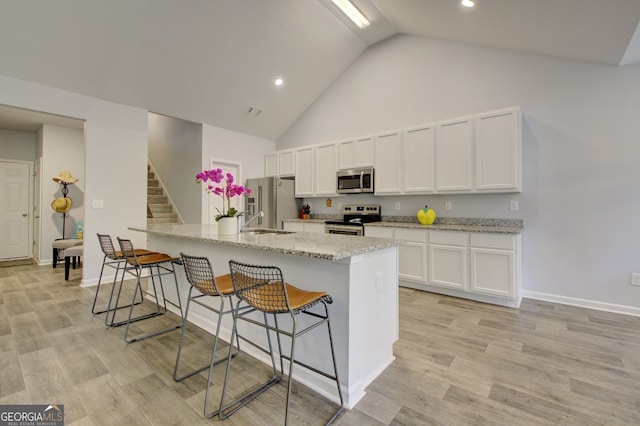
159,209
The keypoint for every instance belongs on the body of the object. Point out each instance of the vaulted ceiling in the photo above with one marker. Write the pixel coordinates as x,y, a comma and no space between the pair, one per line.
209,61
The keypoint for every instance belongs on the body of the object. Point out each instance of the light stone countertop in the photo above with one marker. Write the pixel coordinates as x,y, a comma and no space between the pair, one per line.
306,244
460,224
490,228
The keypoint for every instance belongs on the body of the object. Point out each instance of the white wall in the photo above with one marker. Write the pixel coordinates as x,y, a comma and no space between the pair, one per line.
580,150
228,146
115,161
175,151
62,150
17,145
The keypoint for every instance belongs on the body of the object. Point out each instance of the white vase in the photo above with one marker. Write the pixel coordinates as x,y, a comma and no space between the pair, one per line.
228,226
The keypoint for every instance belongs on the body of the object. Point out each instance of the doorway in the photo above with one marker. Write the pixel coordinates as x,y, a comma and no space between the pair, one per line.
15,220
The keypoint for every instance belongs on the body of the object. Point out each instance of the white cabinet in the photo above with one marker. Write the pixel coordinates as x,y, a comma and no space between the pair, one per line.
271,164
388,165
378,231
418,159
493,264
300,226
317,227
412,255
286,162
304,171
498,148
325,169
448,259
454,152
355,153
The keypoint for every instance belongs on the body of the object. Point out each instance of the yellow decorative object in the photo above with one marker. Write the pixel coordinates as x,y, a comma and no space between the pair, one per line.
426,216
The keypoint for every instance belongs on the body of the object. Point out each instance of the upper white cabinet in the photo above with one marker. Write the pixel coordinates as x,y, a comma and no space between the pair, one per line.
481,153
304,171
454,151
418,159
498,151
271,164
325,169
355,153
287,162
388,166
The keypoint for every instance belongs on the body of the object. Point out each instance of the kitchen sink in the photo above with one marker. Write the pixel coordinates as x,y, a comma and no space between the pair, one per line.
264,232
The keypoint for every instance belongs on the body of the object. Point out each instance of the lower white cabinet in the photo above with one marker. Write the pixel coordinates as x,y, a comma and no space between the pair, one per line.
479,266
493,264
300,226
448,259
412,255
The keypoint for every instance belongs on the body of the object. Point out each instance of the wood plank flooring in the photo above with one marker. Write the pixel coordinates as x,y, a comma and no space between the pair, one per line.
457,362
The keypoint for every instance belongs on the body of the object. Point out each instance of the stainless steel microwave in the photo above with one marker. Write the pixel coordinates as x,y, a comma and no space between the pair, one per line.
355,181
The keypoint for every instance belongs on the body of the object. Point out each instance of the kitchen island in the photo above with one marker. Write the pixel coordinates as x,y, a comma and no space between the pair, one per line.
360,274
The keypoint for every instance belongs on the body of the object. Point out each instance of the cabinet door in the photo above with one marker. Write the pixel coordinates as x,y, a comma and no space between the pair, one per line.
412,255
304,168
498,151
293,226
326,163
346,155
454,150
271,164
313,227
418,159
447,266
287,162
363,152
388,168
378,231
492,272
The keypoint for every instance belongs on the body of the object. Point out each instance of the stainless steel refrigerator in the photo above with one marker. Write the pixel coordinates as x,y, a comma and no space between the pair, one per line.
276,198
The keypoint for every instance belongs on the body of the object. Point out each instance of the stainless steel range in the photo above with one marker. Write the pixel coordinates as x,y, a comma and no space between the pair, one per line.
353,220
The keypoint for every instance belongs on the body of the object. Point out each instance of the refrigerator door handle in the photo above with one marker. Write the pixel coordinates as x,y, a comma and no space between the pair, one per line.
260,203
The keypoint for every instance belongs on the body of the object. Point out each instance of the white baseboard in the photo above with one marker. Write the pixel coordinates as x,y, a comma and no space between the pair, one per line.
583,303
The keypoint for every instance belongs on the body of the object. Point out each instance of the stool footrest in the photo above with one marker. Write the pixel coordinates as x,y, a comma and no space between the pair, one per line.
246,398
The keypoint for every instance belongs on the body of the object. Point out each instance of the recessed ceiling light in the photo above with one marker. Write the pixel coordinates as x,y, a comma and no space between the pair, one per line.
352,12
278,81
467,3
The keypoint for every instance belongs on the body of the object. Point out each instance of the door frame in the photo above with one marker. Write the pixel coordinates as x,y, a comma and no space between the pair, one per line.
30,200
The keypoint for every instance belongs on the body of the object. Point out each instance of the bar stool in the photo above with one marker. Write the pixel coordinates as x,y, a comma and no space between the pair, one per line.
263,289
199,274
112,259
157,264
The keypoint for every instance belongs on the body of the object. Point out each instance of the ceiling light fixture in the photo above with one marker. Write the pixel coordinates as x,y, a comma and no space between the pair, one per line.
352,12
278,81
467,3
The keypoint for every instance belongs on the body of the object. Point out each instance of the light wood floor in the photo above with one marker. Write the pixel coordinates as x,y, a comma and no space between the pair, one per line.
458,363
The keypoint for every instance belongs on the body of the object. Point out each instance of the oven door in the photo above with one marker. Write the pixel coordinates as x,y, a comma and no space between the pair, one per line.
356,230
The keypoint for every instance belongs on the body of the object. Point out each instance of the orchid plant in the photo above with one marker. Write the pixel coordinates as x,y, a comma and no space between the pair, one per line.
226,191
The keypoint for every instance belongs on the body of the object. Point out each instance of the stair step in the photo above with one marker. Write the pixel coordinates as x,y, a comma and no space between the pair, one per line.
165,215
153,182
154,191
161,208
157,199
156,220
150,175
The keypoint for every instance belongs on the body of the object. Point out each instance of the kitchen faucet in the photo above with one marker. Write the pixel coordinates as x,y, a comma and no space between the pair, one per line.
242,225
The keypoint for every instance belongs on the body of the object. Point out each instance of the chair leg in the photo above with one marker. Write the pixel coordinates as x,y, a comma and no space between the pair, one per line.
55,257
254,393
335,366
291,363
67,261
153,314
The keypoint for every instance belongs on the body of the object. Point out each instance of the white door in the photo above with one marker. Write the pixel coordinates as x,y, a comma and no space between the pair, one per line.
36,209
14,210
